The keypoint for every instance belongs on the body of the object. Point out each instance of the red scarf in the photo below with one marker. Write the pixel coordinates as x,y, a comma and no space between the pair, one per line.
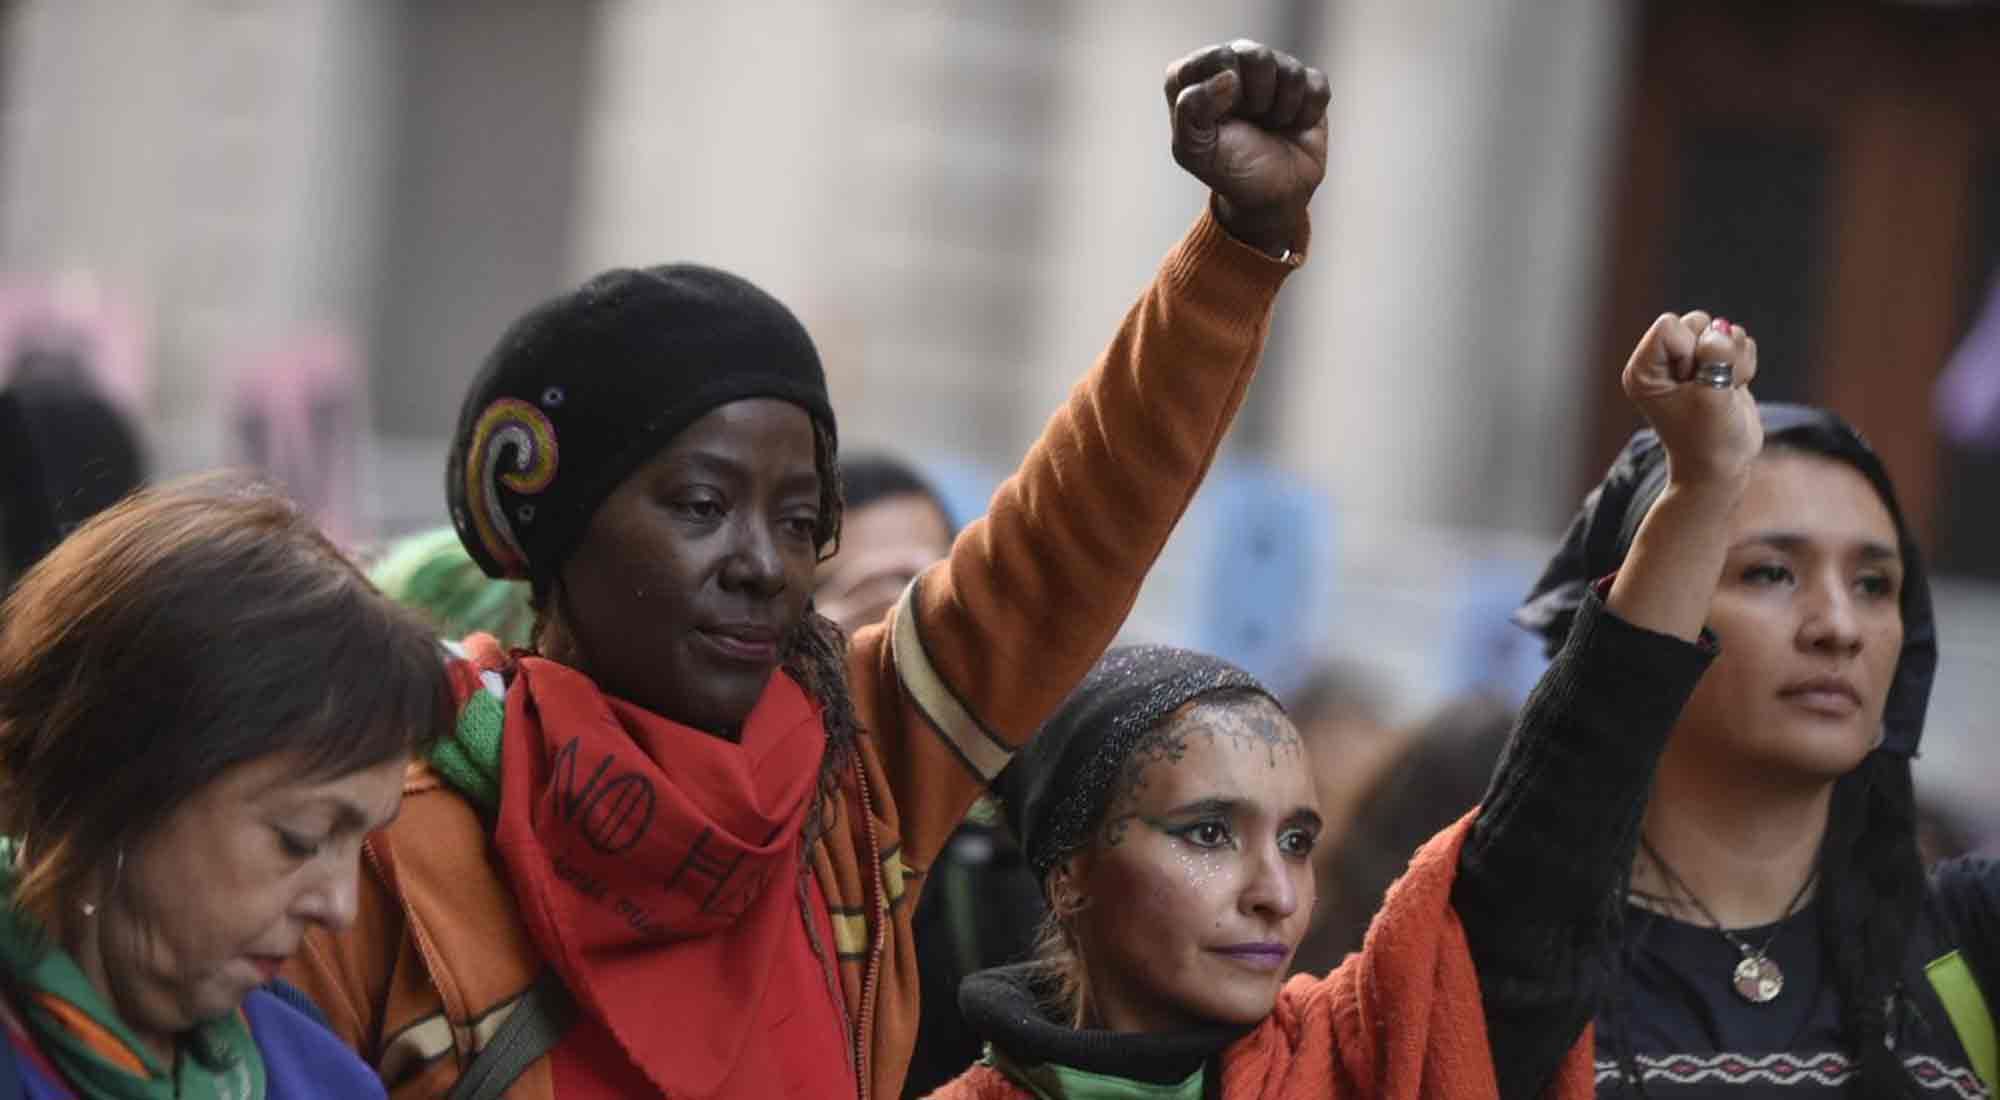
668,897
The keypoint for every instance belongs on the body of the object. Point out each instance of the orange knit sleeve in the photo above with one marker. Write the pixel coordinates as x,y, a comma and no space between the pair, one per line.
345,976
987,643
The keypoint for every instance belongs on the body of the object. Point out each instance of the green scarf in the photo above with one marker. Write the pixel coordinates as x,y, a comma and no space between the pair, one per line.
432,572
1049,1081
76,1028
469,759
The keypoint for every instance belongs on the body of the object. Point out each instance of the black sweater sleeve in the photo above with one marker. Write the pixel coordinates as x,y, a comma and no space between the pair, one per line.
1538,879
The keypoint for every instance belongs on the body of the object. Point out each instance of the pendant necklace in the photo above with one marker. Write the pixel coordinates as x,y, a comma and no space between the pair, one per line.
1758,978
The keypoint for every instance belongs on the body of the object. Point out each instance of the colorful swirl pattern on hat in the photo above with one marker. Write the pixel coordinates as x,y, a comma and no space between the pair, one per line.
513,432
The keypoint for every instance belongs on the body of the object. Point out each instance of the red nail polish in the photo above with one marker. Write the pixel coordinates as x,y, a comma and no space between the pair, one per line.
1721,325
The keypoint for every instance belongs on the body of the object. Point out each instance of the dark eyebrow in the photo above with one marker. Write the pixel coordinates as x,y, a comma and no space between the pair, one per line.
710,460
1793,543
1221,806
802,481
1231,807
794,481
348,817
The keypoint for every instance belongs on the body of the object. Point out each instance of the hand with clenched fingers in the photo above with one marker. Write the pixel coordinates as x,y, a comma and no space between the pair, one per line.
1250,122
1711,434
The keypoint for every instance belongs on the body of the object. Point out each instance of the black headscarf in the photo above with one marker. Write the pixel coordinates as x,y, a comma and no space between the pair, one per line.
1057,791
1602,533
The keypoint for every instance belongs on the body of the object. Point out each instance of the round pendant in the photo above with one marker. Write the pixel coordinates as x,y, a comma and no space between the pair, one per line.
1758,979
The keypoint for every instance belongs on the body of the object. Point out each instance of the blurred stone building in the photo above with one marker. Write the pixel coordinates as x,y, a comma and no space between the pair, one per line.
959,197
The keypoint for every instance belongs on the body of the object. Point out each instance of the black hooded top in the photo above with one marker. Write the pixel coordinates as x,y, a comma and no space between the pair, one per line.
1602,533
1659,989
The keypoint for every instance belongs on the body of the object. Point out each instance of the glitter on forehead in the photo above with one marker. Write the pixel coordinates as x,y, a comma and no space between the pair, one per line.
1130,692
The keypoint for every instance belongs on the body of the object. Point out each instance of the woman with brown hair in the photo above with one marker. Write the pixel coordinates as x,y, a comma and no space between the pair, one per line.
203,708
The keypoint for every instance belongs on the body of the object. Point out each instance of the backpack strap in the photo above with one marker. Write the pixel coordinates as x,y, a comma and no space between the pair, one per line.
1967,893
530,1031
1970,1018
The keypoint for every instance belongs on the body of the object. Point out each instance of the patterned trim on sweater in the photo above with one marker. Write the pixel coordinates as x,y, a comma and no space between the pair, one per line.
1826,1069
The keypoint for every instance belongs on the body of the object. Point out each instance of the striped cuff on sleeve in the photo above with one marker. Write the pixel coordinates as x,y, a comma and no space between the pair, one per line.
981,750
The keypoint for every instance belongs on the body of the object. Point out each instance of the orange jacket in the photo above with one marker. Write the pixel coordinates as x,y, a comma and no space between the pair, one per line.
1399,1020
954,680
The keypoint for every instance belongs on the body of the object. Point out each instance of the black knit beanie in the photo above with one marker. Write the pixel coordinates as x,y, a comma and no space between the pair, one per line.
1605,527
589,385
1058,789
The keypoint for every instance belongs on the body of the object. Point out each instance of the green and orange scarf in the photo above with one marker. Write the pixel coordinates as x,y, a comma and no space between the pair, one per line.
73,1025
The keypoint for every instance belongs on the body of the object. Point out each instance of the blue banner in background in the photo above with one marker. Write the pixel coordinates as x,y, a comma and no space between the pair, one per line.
1267,571
1486,654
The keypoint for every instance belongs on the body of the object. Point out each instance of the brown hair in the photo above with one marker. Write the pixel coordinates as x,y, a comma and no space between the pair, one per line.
185,631
1442,771
1060,979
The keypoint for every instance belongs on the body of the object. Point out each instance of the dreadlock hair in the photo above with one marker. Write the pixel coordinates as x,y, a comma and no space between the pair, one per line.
815,654
815,651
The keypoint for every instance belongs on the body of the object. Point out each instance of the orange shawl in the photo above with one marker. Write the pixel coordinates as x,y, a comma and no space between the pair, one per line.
1399,1020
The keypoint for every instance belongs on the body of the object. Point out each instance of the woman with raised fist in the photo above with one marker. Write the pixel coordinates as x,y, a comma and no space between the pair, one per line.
1774,933
674,848
1167,811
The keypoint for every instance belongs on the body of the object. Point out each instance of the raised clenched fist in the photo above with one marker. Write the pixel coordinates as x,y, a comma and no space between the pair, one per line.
1250,122
1690,376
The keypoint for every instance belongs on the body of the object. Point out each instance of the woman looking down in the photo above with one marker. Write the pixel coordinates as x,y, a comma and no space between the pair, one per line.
204,707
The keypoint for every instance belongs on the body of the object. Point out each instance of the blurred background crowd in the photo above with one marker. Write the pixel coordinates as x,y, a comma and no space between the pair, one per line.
284,233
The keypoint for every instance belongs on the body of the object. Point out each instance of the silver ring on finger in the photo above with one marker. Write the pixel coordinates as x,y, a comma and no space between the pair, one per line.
1718,375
